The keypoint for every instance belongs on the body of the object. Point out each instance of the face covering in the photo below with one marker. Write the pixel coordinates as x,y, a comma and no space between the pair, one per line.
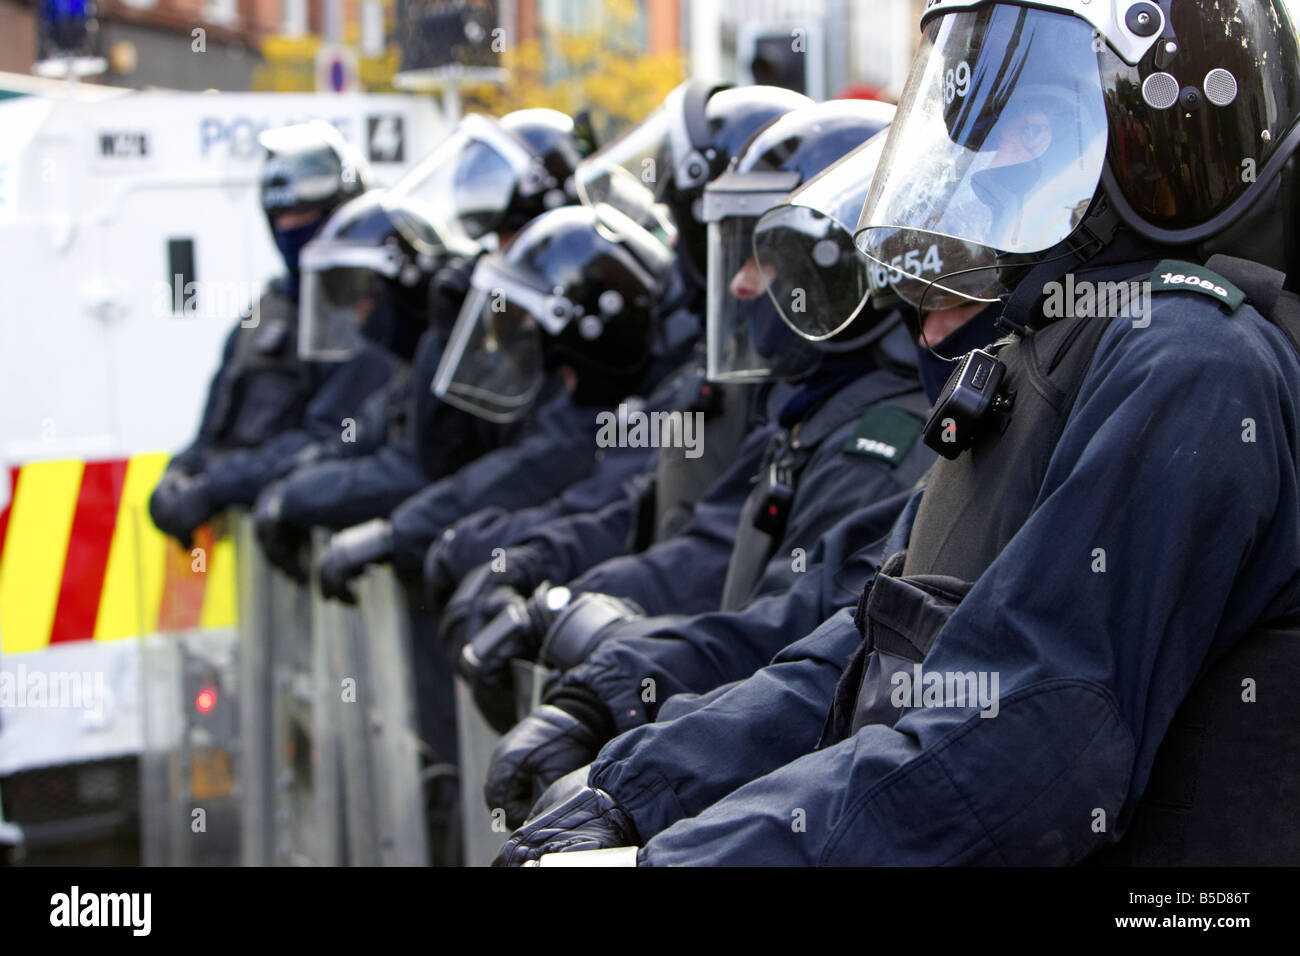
978,332
290,243
767,333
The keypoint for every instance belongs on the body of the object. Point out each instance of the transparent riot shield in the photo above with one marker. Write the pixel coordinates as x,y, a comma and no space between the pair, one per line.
257,804
382,775
484,829
306,817
190,692
345,685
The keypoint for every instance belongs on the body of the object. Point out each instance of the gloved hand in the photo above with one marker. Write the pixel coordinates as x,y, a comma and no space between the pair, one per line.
284,544
587,820
553,740
179,504
515,632
348,554
463,616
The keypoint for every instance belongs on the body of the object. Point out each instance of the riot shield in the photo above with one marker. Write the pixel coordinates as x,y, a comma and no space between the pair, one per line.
382,775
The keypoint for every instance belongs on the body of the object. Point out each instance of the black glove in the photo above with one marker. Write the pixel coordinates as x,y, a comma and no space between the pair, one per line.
285,545
555,739
179,505
584,624
517,570
587,820
440,578
516,632
350,551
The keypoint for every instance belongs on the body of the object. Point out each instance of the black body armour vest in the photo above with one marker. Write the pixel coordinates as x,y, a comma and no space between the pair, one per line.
266,386
1226,778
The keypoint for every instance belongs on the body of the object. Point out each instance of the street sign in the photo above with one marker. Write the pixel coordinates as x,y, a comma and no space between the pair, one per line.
337,70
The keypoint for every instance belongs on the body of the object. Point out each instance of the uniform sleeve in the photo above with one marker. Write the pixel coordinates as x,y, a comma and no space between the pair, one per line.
582,526
343,390
339,494
236,478
536,469
568,546
192,458
664,772
684,574
697,654
1177,467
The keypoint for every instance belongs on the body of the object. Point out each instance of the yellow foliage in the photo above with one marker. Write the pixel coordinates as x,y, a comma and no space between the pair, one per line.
600,68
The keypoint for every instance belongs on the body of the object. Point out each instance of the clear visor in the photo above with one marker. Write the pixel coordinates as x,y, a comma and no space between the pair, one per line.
342,287
816,278
631,174
471,178
493,365
994,156
746,337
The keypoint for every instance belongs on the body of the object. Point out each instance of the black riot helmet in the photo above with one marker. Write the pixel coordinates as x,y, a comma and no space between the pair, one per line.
570,291
662,165
494,175
309,166
747,339
1026,131
366,276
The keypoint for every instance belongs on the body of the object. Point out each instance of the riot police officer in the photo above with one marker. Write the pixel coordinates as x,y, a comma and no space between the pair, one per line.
367,278
265,404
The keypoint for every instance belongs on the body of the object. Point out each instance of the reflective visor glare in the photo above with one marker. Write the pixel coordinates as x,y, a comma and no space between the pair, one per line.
746,337
818,280
492,366
464,180
996,151
482,187
814,274
631,174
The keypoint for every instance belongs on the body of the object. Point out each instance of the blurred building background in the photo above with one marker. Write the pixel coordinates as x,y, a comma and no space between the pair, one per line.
617,56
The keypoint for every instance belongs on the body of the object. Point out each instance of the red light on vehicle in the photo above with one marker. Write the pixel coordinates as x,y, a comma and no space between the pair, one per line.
206,700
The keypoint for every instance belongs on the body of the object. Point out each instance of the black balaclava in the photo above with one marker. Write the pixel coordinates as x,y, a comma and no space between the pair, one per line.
290,242
978,332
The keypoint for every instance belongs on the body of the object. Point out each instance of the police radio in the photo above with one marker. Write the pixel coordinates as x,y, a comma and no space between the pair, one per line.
969,403
778,497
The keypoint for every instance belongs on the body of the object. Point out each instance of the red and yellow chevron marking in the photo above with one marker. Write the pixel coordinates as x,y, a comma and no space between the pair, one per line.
80,558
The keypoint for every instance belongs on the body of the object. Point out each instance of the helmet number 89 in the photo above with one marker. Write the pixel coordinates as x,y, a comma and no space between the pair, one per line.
956,82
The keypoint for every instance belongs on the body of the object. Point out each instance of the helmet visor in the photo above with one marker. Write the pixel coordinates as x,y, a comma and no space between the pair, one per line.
344,293
816,278
471,178
631,174
996,152
493,365
746,339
